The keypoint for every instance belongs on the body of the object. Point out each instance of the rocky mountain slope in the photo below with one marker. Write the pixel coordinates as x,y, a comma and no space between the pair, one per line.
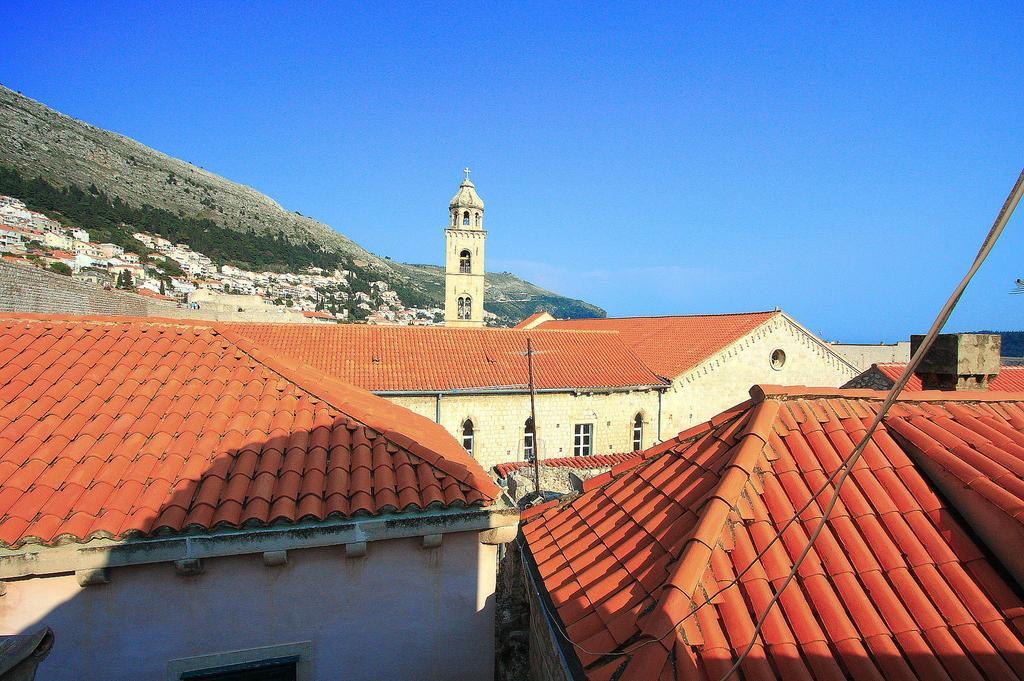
41,142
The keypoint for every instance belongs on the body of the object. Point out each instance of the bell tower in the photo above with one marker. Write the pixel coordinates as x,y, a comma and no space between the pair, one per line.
464,258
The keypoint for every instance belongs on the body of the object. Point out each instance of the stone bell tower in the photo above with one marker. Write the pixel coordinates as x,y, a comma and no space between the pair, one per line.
464,258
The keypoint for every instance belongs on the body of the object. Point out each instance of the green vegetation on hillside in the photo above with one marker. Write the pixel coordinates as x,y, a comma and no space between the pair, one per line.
506,295
111,220
1013,342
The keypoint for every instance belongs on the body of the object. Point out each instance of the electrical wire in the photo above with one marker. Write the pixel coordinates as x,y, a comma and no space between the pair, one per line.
840,475
986,247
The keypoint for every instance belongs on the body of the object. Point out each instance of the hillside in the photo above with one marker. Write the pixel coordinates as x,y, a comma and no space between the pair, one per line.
37,141
1013,342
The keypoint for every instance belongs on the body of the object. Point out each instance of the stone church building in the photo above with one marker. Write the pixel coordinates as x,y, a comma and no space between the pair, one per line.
710,361
603,385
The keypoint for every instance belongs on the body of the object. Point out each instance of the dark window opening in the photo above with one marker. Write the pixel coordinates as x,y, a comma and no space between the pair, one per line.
467,435
638,433
529,440
277,669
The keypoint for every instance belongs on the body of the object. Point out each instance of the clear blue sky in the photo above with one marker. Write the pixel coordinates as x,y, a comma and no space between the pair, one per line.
842,163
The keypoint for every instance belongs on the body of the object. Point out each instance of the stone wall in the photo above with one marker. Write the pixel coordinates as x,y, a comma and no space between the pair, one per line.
863,356
724,380
24,288
545,658
499,421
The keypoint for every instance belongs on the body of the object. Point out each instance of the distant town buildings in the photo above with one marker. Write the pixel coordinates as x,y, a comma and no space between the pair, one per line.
178,272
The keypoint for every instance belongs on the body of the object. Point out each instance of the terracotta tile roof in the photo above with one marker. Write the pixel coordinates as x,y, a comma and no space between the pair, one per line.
580,462
383,358
672,345
898,585
153,294
117,427
529,321
1010,378
317,314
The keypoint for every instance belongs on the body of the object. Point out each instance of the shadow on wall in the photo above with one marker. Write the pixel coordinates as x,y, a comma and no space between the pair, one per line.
401,609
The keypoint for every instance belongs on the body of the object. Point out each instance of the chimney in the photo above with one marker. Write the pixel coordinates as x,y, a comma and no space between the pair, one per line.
959,361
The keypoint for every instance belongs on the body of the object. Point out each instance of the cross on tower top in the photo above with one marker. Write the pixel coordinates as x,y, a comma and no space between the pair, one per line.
466,170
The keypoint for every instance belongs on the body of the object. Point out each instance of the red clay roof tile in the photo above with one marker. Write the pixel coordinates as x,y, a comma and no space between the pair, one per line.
579,462
1009,379
221,438
672,345
395,358
896,585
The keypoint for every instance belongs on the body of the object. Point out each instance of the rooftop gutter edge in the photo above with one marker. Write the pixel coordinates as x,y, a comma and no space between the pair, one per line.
34,560
456,392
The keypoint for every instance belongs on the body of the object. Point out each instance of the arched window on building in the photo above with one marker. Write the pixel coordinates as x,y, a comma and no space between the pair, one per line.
467,435
529,440
465,218
478,219
638,432
462,308
466,307
464,262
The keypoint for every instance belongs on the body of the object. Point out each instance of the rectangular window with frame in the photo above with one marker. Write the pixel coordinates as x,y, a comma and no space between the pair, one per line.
582,439
283,662
281,669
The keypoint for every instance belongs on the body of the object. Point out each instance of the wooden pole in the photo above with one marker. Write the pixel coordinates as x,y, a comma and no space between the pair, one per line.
533,418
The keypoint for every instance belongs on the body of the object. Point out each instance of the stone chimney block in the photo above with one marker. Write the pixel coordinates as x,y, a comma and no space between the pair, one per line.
959,361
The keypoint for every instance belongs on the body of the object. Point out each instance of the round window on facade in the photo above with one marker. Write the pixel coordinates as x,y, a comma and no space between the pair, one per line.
778,359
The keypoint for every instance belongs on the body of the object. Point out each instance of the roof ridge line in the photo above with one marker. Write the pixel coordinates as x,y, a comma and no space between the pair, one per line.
56,318
820,342
296,372
767,392
673,316
676,598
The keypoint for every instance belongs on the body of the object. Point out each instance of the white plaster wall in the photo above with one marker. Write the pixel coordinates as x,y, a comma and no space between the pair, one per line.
725,379
400,612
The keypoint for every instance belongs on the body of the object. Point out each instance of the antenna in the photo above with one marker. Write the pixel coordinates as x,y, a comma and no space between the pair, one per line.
533,417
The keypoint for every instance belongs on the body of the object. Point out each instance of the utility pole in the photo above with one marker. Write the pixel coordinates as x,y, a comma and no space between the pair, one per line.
533,418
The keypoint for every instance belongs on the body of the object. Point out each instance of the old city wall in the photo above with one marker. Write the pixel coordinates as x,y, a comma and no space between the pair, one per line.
25,288
725,379
499,421
30,289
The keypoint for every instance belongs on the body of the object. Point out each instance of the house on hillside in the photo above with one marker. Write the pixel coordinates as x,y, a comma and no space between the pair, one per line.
594,395
663,566
712,360
176,503
884,376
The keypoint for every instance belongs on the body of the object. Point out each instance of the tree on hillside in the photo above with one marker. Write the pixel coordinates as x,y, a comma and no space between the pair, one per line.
61,268
124,281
